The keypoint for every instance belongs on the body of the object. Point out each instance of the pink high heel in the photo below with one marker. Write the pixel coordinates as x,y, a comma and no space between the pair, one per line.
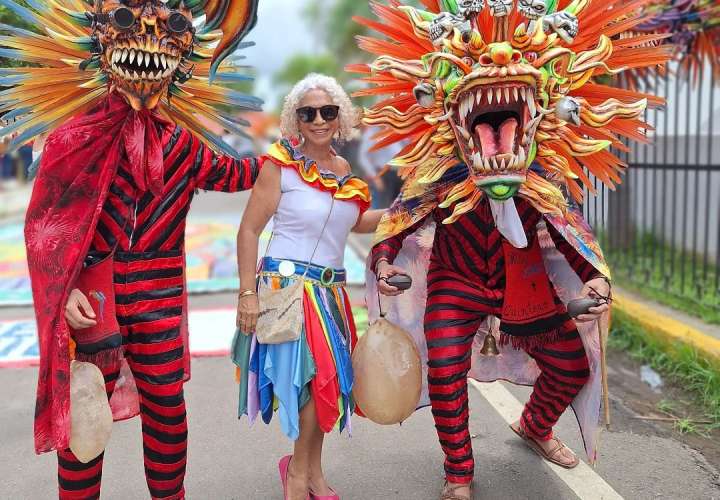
283,466
333,496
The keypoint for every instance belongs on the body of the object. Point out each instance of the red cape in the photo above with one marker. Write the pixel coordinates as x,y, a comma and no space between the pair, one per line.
78,165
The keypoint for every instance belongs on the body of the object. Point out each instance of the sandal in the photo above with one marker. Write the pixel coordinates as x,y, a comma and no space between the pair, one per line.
550,456
448,492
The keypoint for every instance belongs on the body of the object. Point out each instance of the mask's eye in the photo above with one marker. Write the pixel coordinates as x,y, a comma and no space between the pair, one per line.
178,23
123,18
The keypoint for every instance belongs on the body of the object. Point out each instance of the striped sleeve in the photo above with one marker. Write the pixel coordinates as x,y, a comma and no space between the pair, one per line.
580,265
216,172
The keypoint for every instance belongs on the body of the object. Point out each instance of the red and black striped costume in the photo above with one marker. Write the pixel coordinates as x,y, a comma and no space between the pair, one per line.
140,237
466,282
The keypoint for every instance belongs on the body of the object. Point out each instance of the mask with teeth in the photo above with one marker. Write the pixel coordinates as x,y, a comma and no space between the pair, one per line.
79,50
469,8
495,119
563,23
532,9
145,45
492,103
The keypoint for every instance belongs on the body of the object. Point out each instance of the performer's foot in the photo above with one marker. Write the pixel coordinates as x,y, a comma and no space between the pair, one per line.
456,491
552,450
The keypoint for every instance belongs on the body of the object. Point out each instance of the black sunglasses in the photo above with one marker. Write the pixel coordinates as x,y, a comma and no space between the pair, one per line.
307,114
123,18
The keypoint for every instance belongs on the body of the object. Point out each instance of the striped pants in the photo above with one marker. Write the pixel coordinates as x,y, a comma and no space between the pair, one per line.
451,321
149,313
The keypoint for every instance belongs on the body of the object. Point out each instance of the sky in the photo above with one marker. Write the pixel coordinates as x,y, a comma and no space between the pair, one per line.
281,31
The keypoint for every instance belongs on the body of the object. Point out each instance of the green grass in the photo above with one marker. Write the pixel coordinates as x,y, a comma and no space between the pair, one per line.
686,426
678,363
361,319
641,270
666,406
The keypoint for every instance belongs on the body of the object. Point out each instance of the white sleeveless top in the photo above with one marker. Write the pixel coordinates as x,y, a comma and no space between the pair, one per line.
299,219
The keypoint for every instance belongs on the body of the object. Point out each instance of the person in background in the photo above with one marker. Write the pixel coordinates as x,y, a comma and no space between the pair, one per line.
384,181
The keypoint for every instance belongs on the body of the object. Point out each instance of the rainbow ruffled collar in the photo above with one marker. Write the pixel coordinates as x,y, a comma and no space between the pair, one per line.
285,153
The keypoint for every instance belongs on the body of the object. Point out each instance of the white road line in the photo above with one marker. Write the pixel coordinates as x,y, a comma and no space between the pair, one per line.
583,480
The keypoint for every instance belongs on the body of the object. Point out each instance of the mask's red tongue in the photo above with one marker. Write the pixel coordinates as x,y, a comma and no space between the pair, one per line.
500,142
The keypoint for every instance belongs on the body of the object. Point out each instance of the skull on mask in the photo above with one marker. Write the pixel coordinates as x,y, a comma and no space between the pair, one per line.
568,109
444,24
562,23
468,8
532,9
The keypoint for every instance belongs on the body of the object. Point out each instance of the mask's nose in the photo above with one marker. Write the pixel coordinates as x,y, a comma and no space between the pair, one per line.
149,25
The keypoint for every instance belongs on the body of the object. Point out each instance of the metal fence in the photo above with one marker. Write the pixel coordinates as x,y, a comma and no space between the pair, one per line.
661,229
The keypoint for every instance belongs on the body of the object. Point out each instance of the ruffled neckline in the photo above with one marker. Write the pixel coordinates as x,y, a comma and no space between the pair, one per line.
349,187
310,164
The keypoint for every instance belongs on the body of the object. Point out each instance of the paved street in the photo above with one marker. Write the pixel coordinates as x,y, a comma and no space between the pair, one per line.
228,460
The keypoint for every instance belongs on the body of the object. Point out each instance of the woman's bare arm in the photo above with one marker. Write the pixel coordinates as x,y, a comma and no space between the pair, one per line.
261,207
368,222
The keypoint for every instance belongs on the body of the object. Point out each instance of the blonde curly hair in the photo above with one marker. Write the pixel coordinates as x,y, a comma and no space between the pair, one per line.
349,116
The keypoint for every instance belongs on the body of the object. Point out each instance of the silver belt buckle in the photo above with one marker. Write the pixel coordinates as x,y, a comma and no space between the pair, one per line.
286,268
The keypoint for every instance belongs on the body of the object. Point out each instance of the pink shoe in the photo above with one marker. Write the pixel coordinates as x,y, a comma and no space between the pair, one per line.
283,466
333,496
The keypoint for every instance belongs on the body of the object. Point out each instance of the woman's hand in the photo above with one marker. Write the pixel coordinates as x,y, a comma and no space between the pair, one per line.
78,311
597,288
247,313
383,271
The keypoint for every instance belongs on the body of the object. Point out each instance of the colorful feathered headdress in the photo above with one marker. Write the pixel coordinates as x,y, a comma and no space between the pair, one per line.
157,53
693,27
500,86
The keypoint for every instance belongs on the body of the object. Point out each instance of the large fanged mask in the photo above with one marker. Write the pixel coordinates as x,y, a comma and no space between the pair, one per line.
144,44
495,119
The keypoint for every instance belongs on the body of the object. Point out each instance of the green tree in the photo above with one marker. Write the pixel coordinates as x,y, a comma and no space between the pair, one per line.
331,23
300,65
10,18
336,29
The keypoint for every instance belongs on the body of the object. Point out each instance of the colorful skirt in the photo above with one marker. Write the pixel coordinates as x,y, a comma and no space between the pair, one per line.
283,377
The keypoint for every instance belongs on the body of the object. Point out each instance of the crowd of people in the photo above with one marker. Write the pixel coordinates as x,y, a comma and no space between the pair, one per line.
14,165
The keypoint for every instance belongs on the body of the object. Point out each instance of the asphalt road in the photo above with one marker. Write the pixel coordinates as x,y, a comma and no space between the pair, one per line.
229,460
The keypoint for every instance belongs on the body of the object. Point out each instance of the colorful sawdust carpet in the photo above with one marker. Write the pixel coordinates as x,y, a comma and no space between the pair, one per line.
210,250
211,332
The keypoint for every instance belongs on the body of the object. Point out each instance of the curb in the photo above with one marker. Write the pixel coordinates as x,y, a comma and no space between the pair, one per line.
667,329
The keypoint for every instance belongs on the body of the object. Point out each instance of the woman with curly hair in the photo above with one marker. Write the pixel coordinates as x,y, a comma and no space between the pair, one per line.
314,201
